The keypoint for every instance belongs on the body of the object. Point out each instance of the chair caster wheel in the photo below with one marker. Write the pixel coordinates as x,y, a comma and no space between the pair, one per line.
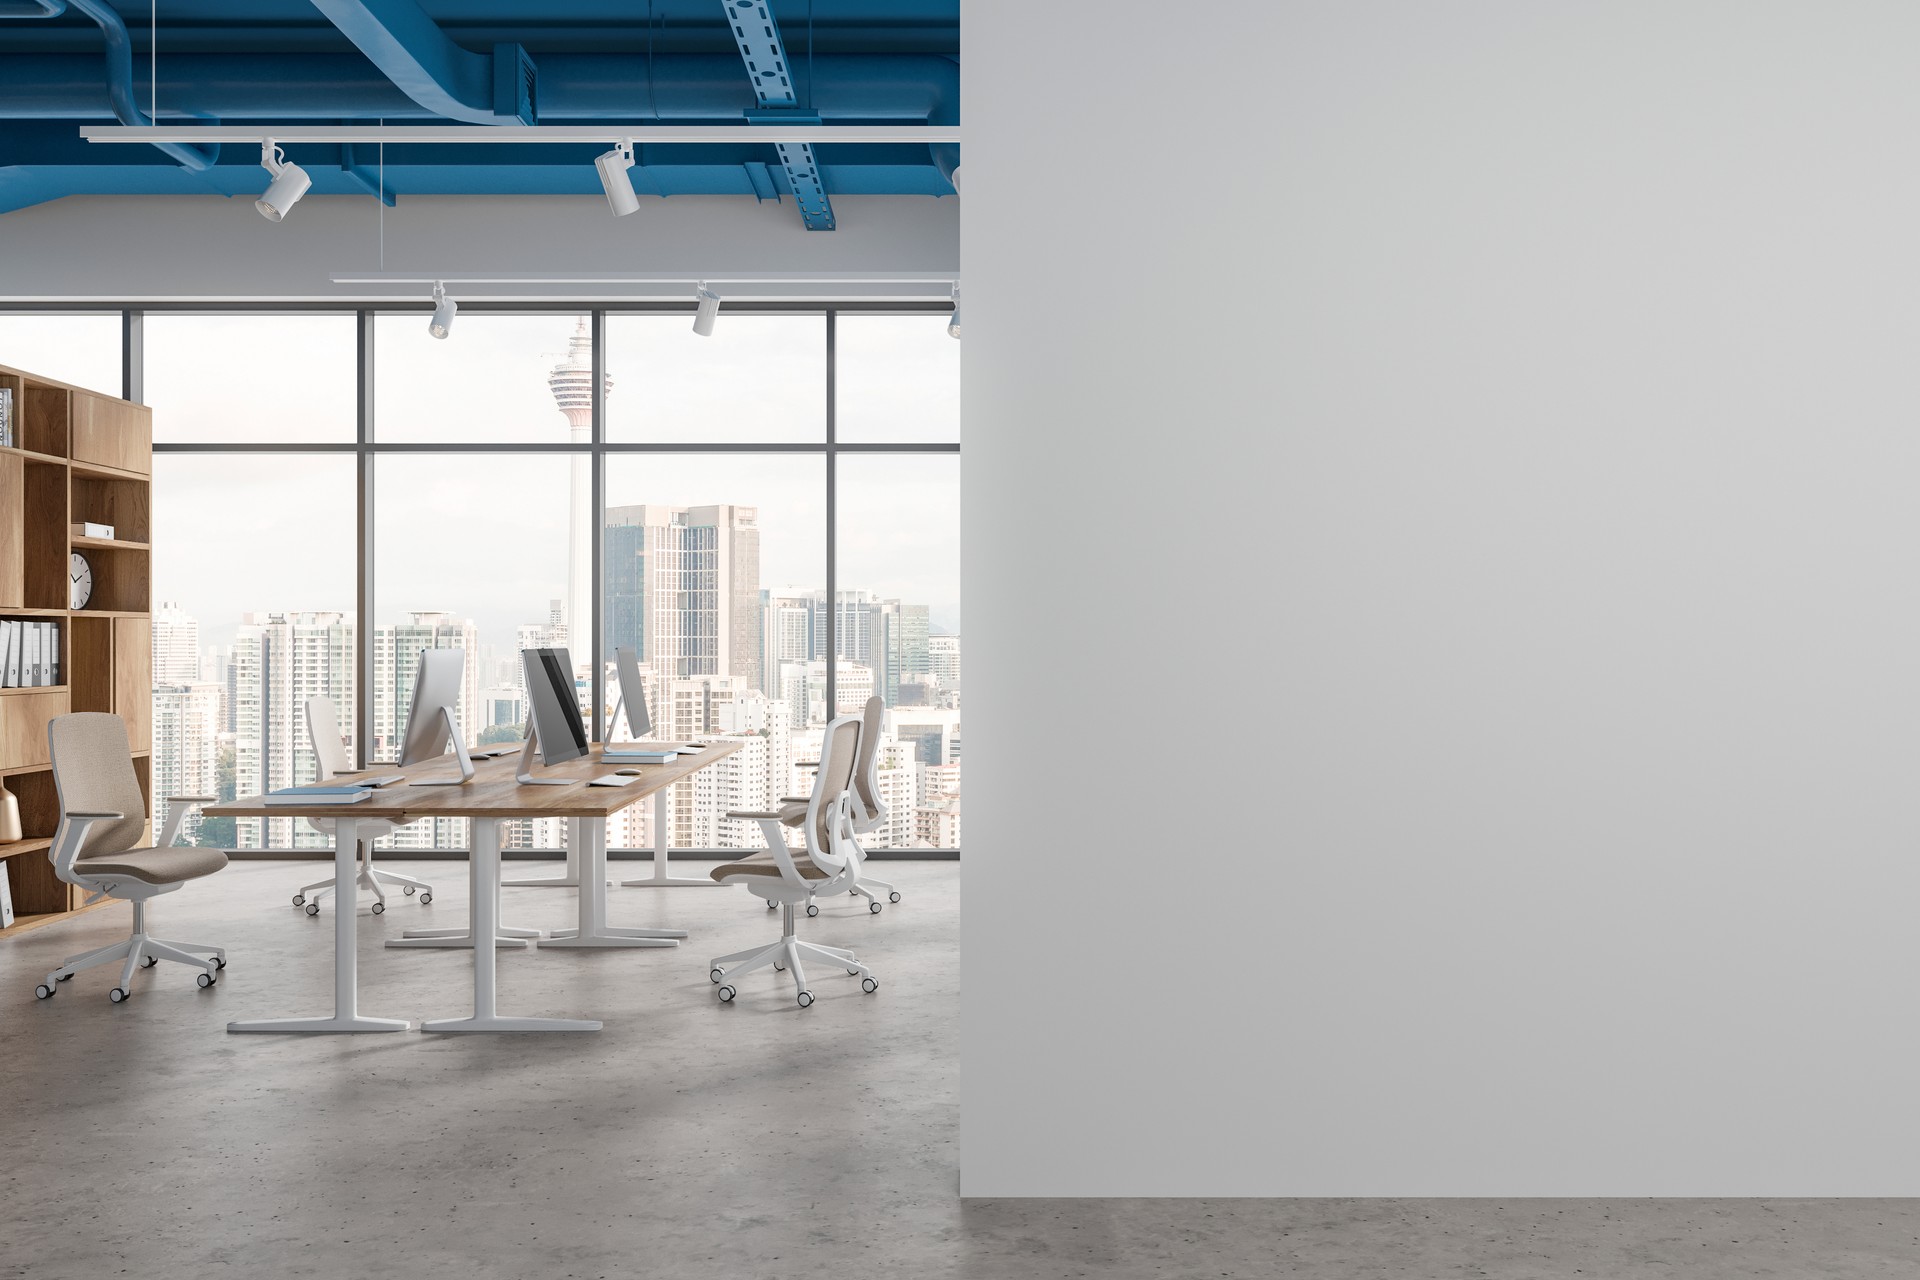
379,907
778,967
874,906
894,896
869,985
410,890
118,994
853,973
727,994
205,980
313,908
426,897
773,906
714,975
299,899
43,992
66,977
149,962
219,962
813,909
805,998
852,892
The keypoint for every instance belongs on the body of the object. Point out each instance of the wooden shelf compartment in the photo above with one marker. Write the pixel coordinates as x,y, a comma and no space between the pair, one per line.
121,578
43,536
119,501
42,414
45,688
29,455
109,544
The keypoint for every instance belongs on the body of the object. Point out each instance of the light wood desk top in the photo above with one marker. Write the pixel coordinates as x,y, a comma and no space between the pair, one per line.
493,792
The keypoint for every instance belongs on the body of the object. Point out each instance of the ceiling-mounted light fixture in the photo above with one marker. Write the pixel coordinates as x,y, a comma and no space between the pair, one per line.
708,308
290,182
443,311
953,325
613,168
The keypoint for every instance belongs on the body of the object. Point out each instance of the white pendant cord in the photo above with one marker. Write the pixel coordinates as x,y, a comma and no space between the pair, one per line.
153,61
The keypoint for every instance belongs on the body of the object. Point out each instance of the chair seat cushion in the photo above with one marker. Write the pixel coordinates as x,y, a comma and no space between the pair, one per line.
769,868
155,866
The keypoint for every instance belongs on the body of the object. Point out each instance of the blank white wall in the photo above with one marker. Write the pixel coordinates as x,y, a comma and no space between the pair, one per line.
211,248
1442,546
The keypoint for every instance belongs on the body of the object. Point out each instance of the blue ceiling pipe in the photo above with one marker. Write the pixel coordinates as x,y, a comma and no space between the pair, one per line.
32,8
119,54
449,81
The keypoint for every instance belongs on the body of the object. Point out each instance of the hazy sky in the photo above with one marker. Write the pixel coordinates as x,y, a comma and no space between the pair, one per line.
485,535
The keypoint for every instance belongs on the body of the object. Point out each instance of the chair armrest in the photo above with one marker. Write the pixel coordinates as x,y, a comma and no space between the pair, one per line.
796,799
74,828
178,807
757,815
93,817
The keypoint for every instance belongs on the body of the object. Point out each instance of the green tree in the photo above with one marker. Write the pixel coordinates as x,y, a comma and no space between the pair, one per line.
499,733
220,833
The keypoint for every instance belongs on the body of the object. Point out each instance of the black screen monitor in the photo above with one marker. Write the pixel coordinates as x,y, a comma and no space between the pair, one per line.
557,725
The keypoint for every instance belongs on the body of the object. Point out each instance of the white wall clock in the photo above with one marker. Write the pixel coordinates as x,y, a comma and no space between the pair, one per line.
80,582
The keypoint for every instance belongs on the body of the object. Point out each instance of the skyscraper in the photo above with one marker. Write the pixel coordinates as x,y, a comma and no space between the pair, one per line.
571,382
683,589
176,646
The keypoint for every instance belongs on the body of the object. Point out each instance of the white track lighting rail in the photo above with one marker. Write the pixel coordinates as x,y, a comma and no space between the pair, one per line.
490,135
689,281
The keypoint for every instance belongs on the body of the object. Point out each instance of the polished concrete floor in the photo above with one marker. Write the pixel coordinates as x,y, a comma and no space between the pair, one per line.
687,1138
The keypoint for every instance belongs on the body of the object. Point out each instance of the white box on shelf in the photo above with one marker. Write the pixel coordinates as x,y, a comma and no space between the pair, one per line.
88,529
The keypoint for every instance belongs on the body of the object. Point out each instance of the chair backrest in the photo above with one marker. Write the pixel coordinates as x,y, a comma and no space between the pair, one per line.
839,750
93,773
866,771
323,730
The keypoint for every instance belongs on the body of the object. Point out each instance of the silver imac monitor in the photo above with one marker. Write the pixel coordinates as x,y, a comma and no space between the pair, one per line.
430,718
633,695
558,731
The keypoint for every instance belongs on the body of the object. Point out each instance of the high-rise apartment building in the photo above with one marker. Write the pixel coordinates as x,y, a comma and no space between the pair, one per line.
683,589
279,662
176,646
186,750
943,659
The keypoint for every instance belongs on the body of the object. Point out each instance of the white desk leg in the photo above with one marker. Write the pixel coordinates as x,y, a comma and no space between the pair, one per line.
346,968
590,835
565,880
485,908
506,935
660,879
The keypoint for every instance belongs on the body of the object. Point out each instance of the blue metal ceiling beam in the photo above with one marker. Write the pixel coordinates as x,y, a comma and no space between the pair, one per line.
410,49
119,59
758,36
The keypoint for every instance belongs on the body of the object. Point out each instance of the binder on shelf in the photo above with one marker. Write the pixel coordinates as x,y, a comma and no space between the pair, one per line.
52,653
6,419
6,898
29,656
6,652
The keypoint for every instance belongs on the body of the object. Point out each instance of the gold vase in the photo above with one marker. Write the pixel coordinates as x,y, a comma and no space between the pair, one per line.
9,815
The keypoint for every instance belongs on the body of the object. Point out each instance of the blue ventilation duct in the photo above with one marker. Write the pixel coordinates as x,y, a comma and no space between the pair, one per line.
433,71
119,55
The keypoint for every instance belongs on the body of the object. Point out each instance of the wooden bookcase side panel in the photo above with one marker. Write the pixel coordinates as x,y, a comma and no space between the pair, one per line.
44,536
133,679
112,433
13,530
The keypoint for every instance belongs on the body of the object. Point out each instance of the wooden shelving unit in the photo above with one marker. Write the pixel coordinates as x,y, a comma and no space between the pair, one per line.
83,457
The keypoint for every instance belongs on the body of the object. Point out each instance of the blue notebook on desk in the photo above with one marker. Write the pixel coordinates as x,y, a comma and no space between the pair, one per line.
317,795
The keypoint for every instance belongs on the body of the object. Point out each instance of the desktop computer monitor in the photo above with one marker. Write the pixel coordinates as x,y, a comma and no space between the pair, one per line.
436,692
633,694
557,725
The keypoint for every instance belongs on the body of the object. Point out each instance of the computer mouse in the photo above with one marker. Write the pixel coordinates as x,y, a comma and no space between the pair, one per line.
626,773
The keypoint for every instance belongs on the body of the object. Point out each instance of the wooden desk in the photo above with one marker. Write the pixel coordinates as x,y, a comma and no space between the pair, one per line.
492,797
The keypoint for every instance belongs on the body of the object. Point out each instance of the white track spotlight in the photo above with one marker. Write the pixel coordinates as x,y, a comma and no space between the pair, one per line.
953,325
704,313
613,168
443,310
290,182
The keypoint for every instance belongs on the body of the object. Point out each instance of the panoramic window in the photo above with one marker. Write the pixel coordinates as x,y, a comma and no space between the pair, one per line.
81,349
752,615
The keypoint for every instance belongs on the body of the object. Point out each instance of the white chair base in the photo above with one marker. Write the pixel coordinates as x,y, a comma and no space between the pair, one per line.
787,954
139,951
371,878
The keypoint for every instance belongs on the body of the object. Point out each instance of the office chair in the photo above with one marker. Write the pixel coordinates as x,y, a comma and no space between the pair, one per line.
103,817
330,753
865,814
830,860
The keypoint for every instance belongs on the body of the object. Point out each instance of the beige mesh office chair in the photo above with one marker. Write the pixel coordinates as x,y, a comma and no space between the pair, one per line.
103,818
330,754
865,815
830,861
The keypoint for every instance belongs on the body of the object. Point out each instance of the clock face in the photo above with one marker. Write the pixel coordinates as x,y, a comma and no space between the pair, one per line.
80,582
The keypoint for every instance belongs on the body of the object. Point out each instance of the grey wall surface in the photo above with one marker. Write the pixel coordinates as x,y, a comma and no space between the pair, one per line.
1442,557
208,247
